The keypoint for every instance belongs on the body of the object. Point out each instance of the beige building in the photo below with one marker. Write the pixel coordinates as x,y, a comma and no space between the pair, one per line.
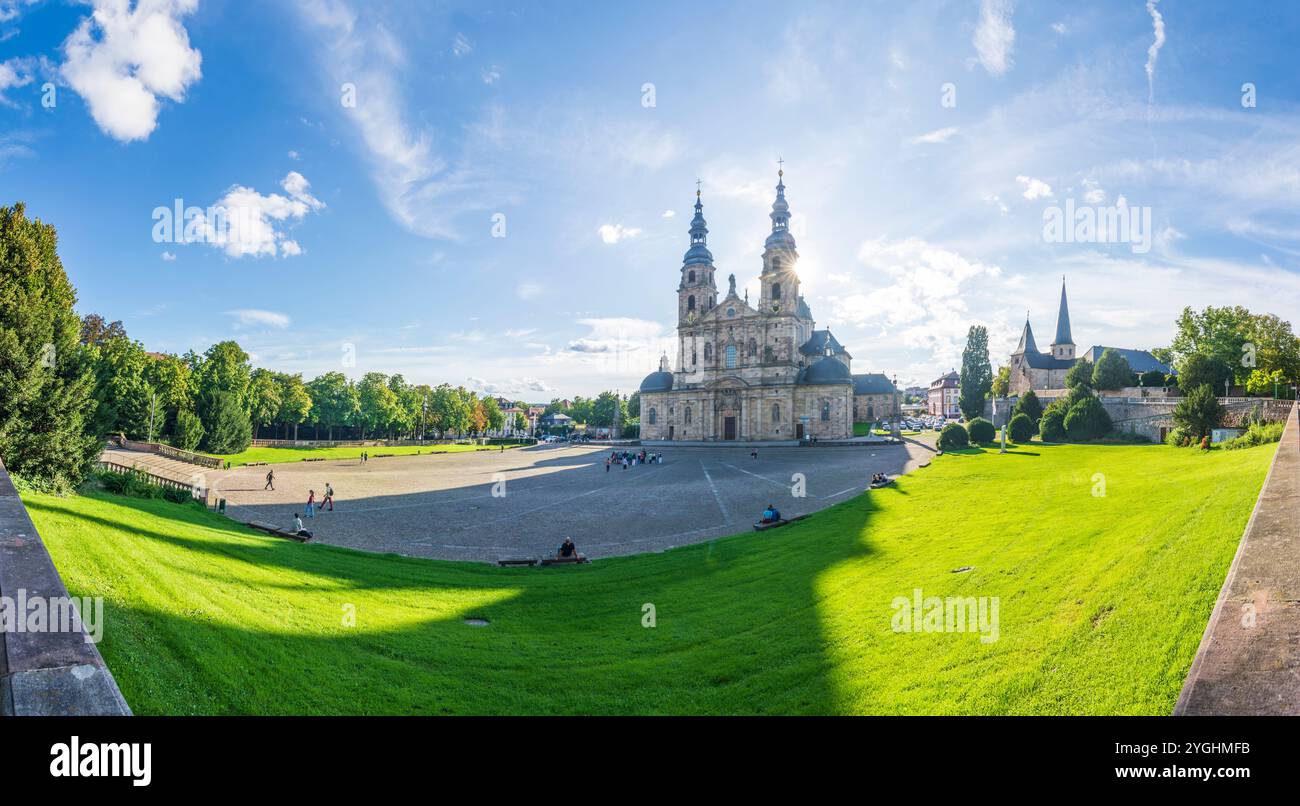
748,372
945,396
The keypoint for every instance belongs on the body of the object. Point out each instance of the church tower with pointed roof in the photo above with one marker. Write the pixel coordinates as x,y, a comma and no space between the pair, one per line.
697,292
1063,344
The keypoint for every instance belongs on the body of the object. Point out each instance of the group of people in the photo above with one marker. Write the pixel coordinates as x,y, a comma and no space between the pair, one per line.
879,479
771,514
326,500
629,458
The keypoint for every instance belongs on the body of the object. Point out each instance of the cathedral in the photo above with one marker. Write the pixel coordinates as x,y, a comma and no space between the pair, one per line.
760,372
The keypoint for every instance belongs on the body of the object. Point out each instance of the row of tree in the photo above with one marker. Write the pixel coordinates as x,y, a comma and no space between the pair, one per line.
67,382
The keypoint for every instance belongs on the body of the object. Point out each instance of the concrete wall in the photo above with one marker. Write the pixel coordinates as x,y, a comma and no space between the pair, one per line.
44,673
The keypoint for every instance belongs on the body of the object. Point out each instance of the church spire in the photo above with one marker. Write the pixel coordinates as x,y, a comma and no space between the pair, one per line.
698,253
780,237
1026,344
1063,335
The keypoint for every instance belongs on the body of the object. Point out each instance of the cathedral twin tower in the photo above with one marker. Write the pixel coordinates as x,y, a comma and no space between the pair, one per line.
753,373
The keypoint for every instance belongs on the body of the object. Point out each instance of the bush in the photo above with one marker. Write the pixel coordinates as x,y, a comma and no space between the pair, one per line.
1080,375
1052,427
1021,429
981,431
177,496
1199,412
189,430
1153,377
230,430
1029,405
1256,434
1087,419
1176,438
953,436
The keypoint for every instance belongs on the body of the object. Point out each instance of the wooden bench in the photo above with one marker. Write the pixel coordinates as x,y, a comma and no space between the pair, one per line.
529,561
276,531
564,560
760,526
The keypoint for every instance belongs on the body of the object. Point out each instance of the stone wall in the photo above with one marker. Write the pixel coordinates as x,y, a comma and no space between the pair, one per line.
44,673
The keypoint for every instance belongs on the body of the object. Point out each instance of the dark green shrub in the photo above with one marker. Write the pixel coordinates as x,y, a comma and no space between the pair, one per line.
1087,419
1021,429
1153,377
1112,371
177,496
1199,412
953,436
981,431
1052,427
1030,405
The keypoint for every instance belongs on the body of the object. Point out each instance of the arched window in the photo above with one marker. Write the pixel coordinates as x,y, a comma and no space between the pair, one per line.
708,353
653,415
871,412
688,415
752,350
776,266
690,303
776,412
776,290
826,411
731,356
690,276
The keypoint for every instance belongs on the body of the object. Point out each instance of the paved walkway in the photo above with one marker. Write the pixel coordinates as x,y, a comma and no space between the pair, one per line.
1247,666
523,502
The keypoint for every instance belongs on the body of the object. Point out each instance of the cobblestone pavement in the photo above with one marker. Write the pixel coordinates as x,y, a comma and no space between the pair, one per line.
443,505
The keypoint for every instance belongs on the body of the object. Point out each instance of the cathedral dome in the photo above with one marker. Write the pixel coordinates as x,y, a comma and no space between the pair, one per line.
658,382
827,370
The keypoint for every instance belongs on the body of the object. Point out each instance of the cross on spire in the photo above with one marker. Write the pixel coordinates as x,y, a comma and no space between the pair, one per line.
698,183
780,162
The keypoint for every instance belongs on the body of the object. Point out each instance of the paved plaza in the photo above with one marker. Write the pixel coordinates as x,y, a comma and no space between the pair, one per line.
443,505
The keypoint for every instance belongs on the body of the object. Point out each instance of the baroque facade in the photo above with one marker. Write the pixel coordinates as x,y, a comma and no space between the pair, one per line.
759,372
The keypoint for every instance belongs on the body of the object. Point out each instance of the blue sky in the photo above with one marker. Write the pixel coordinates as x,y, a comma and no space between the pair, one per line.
923,143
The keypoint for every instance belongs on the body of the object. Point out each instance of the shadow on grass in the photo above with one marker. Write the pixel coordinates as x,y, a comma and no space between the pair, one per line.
738,624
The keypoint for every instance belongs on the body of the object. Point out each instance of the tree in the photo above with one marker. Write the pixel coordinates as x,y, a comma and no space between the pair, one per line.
1086,419
231,430
378,403
1200,369
1163,354
264,400
1052,427
1200,412
295,401
173,382
45,375
521,422
976,372
1275,347
222,372
1030,406
189,431
1264,382
1112,371
1079,376
1218,333
1152,377
492,411
1021,429
1002,381
124,399
605,409
981,431
334,400
95,331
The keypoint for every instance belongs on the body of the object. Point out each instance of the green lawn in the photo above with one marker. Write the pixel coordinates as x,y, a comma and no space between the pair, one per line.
279,455
1102,603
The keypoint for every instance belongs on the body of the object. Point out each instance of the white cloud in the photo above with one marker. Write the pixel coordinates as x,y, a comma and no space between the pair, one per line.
293,155
14,73
1034,188
1059,27
491,76
669,213
613,233
168,256
121,59
252,317
1153,52
1092,192
247,223
994,36
528,290
511,387
461,46
936,136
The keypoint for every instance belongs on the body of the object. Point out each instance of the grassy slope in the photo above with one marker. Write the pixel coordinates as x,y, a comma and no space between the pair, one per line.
279,455
1103,601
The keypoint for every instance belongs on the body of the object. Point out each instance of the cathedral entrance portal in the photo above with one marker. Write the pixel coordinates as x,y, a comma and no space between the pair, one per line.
798,431
728,427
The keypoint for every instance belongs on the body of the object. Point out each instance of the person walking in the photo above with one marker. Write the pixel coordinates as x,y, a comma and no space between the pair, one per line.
311,504
329,497
270,481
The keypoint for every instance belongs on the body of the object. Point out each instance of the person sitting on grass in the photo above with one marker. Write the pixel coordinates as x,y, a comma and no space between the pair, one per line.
568,551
